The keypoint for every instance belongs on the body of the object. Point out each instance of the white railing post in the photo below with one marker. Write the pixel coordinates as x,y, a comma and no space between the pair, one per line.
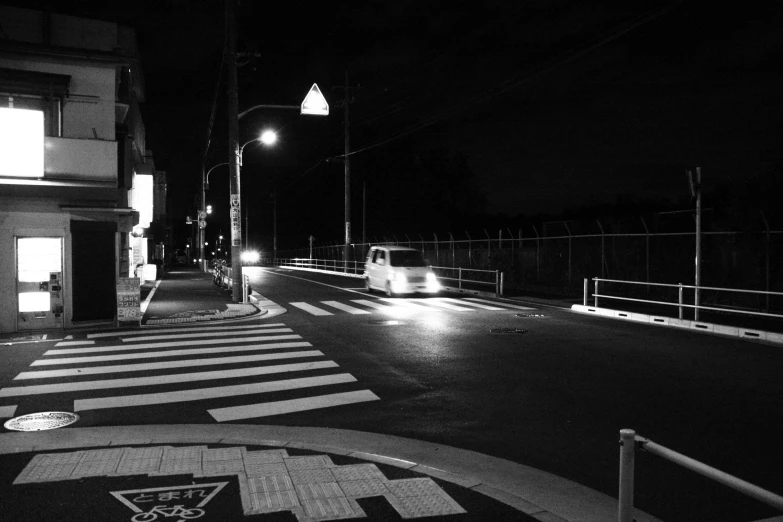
584,300
680,301
460,278
625,496
501,284
595,294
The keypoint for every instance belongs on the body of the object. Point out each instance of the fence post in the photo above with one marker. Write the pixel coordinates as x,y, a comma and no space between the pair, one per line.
625,496
460,278
437,251
497,283
595,294
569,254
538,255
679,300
584,301
453,253
603,247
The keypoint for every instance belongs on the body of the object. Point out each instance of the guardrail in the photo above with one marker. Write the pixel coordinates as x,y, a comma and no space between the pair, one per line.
696,306
462,276
629,441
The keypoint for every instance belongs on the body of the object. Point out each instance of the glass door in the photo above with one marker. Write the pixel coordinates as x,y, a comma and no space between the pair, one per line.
39,282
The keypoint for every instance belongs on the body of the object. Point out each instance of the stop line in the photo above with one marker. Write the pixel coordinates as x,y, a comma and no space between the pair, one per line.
393,305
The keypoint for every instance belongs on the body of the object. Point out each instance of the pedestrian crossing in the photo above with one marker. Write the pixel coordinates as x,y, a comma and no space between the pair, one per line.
239,365
397,305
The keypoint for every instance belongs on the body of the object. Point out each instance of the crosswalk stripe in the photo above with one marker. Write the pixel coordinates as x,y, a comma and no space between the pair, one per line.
171,353
311,309
17,391
173,344
187,329
345,308
447,306
6,412
188,336
373,304
267,409
158,365
74,343
210,393
469,303
507,305
407,303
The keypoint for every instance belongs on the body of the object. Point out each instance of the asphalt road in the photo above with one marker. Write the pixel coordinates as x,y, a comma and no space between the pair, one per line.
554,397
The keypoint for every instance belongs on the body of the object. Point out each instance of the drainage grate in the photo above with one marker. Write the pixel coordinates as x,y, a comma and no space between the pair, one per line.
530,315
48,420
508,330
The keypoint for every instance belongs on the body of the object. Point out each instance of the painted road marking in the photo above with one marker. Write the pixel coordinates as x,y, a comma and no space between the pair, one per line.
310,309
267,409
345,308
173,344
217,334
210,393
373,304
468,303
173,353
158,365
516,307
186,329
447,306
6,412
158,380
74,343
407,303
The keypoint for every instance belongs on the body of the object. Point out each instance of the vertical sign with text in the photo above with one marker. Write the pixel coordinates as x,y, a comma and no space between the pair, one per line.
128,299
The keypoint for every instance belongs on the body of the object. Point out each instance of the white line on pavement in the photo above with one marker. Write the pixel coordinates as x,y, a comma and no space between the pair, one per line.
210,393
311,309
158,365
205,342
517,307
345,307
172,353
187,329
434,302
407,303
468,303
189,335
158,380
265,409
74,343
6,412
371,304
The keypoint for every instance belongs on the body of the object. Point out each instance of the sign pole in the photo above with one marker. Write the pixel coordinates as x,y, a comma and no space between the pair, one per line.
233,151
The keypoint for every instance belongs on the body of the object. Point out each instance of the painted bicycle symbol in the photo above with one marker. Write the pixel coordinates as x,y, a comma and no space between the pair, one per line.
168,511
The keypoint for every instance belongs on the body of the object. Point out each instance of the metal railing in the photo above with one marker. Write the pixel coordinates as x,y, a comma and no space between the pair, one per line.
629,441
462,276
680,304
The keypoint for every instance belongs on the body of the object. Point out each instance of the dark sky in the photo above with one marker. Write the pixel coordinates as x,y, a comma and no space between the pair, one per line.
546,105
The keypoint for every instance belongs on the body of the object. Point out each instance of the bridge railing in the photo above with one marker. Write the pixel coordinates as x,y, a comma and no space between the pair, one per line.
630,442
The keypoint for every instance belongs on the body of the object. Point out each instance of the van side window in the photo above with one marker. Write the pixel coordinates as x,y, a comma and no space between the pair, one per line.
380,257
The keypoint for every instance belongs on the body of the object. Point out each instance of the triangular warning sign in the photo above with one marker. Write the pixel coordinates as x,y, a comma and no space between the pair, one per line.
185,501
315,103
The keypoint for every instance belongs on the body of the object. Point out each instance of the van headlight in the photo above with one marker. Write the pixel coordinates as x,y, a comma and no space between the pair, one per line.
431,278
398,277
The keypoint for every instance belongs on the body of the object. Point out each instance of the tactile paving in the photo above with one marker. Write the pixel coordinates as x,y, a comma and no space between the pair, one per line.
428,506
140,460
329,508
270,483
260,470
211,454
356,472
49,466
97,463
307,476
418,487
316,462
266,502
223,466
319,490
363,488
265,457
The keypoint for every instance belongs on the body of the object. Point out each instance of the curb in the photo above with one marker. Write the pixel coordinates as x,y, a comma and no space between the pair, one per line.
543,496
698,326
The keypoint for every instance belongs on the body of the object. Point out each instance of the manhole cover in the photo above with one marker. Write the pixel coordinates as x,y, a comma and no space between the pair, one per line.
389,322
530,315
508,330
48,420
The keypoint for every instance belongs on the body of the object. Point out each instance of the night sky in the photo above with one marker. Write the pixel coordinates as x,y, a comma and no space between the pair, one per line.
464,115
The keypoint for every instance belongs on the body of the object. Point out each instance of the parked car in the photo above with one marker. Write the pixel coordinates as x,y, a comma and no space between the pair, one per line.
399,270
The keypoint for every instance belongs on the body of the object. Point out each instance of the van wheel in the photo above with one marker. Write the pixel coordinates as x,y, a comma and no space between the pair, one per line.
389,292
367,285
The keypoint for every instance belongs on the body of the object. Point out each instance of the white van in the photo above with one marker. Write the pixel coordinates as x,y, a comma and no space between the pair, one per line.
399,270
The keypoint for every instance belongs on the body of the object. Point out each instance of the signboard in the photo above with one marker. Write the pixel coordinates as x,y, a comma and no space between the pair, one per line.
128,299
315,103
236,221
202,224
180,502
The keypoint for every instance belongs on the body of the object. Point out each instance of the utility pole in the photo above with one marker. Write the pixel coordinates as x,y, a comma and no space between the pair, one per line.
695,187
233,150
347,255
274,224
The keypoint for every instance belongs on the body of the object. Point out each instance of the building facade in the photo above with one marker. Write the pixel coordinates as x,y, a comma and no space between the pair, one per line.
75,174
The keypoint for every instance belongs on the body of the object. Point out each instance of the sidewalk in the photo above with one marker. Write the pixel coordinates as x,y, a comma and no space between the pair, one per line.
227,472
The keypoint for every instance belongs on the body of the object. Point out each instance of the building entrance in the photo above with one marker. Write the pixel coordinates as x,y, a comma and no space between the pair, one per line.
39,282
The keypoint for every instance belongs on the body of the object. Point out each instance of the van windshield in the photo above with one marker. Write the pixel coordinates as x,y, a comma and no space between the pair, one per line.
406,258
